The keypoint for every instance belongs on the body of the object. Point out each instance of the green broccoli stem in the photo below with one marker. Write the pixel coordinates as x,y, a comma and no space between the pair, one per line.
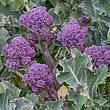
18,74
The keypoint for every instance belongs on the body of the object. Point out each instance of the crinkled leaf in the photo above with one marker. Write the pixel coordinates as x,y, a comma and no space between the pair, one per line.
57,8
78,99
14,4
21,104
5,74
3,38
76,73
74,68
10,100
3,2
32,97
11,89
98,10
99,100
93,80
54,105
9,92
57,20
53,2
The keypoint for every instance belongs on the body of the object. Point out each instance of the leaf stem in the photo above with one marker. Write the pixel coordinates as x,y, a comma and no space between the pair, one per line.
19,74
57,54
73,74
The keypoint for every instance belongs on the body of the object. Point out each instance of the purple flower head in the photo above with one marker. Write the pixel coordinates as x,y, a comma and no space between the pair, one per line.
72,34
47,37
12,64
50,79
18,53
41,83
38,77
38,20
32,39
100,54
84,20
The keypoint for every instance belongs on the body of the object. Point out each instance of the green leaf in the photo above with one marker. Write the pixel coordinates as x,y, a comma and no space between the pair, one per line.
77,75
9,92
1,88
107,104
5,10
33,97
99,100
74,69
57,8
93,80
3,2
10,100
54,105
3,38
12,8
107,86
78,99
108,36
15,5
57,20
5,74
10,89
53,2
1,66
21,104
98,10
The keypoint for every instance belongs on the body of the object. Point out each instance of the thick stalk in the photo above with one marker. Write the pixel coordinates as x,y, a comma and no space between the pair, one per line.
48,59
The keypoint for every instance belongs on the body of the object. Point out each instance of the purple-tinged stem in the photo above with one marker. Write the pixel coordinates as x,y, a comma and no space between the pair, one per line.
48,59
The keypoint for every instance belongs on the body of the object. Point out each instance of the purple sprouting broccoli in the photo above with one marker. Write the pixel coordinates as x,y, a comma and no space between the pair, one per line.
72,34
32,39
38,20
38,77
100,55
18,53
